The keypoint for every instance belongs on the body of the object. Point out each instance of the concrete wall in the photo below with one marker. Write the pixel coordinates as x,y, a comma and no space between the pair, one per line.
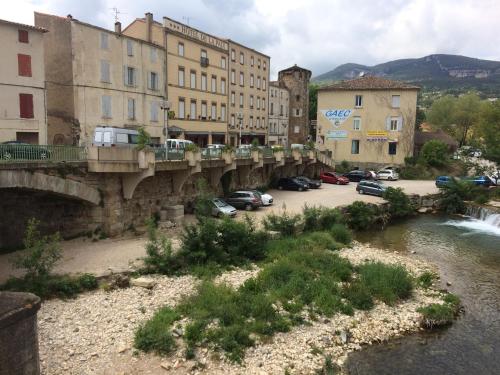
376,108
12,84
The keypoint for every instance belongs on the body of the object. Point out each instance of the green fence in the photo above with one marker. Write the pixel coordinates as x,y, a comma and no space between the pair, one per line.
173,153
19,153
242,153
211,153
267,152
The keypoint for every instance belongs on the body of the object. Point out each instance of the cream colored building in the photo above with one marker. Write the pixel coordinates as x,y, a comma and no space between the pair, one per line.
197,78
369,121
22,84
97,77
248,95
279,104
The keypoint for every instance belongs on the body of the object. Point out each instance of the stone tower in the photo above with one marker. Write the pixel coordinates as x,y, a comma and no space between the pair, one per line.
296,80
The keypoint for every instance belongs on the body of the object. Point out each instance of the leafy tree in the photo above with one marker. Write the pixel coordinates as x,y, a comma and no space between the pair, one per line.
420,118
489,128
203,204
313,100
399,203
143,139
434,153
454,194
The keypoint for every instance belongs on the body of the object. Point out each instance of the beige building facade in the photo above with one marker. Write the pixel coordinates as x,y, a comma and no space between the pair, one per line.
97,77
279,106
369,121
22,84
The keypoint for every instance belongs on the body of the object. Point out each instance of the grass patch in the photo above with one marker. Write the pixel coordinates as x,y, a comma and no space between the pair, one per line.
155,334
320,218
439,315
285,224
341,234
426,279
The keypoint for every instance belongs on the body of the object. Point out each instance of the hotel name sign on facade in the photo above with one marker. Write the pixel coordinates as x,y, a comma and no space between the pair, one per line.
195,34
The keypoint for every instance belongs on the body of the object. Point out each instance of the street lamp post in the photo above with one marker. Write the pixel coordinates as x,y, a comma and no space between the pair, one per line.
240,118
165,107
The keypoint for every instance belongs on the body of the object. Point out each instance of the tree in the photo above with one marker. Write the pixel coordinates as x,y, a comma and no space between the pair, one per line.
143,139
420,118
489,129
434,153
313,100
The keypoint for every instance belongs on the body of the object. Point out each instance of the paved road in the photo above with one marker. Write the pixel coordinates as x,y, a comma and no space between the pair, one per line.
118,254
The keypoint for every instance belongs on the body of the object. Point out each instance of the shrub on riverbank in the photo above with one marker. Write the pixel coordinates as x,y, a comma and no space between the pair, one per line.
361,215
454,194
399,203
286,224
439,315
320,218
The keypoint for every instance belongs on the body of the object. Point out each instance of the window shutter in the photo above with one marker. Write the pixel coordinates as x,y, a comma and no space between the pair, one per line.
388,123
26,106
125,71
24,65
400,123
23,36
156,83
150,81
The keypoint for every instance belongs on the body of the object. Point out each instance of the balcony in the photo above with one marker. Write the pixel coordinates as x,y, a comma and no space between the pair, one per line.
204,61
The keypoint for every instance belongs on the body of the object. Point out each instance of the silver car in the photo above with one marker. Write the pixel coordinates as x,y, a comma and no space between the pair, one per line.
220,208
387,174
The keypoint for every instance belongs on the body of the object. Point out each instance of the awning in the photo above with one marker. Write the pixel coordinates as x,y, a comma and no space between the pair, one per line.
175,129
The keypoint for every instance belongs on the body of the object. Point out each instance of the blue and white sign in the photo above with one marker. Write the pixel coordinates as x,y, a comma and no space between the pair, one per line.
337,116
336,134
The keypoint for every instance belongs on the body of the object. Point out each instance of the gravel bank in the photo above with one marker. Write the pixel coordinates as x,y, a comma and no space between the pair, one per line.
93,334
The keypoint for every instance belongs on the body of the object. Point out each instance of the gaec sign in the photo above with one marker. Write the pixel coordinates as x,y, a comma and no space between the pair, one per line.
337,116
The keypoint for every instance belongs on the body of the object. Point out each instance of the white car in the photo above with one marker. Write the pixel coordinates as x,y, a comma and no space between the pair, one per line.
387,174
267,199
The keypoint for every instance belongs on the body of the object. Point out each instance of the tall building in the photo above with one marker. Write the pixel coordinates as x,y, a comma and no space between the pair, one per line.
248,94
97,77
197,78
279,100
296,80
22,84
369,121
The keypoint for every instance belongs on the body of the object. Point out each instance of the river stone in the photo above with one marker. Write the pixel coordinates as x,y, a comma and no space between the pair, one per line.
143,282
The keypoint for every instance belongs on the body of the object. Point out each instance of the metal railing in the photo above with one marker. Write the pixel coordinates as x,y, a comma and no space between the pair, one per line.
242,153
267,152
211,153
288,152
173,153
21,153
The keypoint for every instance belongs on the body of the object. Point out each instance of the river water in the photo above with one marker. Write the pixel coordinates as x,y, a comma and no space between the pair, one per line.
467,253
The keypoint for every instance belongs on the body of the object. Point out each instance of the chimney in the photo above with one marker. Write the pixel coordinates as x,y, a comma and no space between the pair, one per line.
118,27
149,26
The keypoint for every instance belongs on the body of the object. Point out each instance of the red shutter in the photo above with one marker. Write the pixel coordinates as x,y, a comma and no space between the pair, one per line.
26,105
23,36
24,65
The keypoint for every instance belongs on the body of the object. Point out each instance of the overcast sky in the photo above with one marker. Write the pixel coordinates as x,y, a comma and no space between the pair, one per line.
316,34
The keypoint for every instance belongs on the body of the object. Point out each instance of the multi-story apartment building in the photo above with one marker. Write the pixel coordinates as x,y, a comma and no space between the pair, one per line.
248,95
197,78
369,121
97,77
22,84
279,100
296,80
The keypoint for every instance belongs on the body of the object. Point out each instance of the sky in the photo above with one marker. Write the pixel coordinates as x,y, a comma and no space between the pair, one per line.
315,34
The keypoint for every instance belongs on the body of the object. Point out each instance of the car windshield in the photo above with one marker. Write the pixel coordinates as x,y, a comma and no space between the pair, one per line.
220,203
303,178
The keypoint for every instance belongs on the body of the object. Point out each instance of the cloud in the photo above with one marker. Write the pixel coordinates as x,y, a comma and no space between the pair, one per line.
316,34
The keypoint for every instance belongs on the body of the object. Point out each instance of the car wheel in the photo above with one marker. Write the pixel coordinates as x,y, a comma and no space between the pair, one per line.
220,215
248,207
338,182
389,178
280,187
361,191
300,188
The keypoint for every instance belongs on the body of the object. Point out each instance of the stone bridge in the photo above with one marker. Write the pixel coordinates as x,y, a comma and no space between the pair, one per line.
116,189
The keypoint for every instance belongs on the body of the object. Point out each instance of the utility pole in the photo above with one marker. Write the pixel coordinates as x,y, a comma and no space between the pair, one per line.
165,106
240,118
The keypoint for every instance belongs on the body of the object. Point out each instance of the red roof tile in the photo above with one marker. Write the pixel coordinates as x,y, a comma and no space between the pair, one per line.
369,83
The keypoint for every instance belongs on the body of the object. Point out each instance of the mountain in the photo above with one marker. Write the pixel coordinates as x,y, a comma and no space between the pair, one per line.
433,72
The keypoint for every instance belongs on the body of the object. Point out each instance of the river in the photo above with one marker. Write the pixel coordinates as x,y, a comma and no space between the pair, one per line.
467,252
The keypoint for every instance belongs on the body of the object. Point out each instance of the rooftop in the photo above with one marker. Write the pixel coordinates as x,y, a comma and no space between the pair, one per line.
295,67
369,83
22,25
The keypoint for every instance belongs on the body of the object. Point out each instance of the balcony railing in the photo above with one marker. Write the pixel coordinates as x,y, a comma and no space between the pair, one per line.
173,153
267,152
243,153
22,153
211,153
204,61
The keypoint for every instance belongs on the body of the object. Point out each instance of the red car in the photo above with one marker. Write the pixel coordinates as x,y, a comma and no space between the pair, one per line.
333,178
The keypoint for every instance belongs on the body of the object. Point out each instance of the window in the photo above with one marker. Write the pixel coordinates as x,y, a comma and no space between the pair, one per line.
181,77
358,101
192,113
203,81
204,54
106,106
154,111
223,86
258,83
223,112
193,79
393,148
26,106
104,41
23,36
232,120
394,124
251,121
258,123
281,109
263,103
213,111
251,101
251,61
396,101
356,124
296,129
153,81
130,48
131,108
297,112
105,76
24,65
264,64
130,76
232,98
233,55
241,100
182,108
272,109
213,85
180,49
355,146
203,110
223,62
258,63
153,54
297,97
242,79
242,58
251,80
258,102
263,84
233,76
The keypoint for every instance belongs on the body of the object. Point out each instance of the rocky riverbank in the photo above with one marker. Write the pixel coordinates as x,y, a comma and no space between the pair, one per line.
93,334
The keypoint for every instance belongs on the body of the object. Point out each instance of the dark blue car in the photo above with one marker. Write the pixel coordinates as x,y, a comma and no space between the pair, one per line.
480,181
442,181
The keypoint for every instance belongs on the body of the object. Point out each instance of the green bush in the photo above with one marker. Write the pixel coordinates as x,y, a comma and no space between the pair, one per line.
389,283
436,315
343,167
361,215
358,294
143,139
425,279
435,153
320,218
155,335
341,234
285,224
453,195
159,258
399,203
203,203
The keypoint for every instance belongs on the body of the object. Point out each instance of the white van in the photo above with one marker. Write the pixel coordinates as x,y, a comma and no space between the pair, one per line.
108,136
297,146
177,143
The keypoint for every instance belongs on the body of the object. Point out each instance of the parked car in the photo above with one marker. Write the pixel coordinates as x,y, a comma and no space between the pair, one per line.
110,136
333,178
480,181
370,187
373,174
221,208
387,174
442,181
15,150
312,184
291,183
358,175
267,199
244,199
